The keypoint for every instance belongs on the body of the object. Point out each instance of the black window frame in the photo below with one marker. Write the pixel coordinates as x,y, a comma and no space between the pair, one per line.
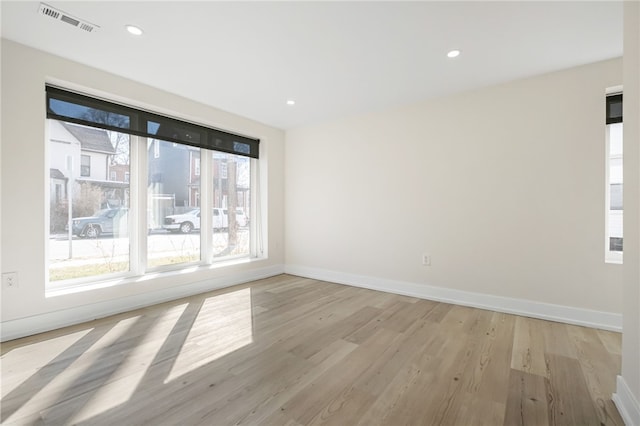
168,129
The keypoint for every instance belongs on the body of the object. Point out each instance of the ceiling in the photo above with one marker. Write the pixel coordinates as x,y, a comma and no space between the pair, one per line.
333,58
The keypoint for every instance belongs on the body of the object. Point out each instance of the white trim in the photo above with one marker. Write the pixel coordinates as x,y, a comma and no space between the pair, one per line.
614,90
14,329
566,314
627,404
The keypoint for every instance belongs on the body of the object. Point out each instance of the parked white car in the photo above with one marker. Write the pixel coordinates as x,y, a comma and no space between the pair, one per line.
190,220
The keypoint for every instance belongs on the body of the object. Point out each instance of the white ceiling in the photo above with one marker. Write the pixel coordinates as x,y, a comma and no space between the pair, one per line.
333,58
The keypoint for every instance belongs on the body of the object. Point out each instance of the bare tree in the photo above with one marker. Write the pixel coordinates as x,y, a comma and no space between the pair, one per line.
119,140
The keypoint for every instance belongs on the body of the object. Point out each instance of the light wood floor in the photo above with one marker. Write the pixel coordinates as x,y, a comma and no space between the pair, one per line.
293,351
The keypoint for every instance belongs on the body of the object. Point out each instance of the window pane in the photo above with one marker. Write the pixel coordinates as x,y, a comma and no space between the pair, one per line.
615,244
86,113
183,133
97,242
173,204
615,196
615,186
240,147
85,165
231,192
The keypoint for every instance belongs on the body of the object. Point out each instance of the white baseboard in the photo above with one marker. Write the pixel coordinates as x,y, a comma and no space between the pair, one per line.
566,314
21,327
52,320
627,404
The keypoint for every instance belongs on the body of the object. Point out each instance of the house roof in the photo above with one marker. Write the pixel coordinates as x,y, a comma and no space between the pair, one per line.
56,174
91,139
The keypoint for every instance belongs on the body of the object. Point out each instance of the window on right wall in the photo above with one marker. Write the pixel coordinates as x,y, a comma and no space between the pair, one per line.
614,216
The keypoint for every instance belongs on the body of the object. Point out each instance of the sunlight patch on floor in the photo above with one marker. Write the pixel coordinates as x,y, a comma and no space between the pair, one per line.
223,325
66,384
19,364
126,379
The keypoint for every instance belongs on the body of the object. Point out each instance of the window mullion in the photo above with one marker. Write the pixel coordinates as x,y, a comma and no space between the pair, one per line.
206,206
138,197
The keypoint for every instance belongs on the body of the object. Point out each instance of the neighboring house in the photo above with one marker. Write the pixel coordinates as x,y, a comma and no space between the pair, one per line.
174,175
174,170
119,173
169,171
57,186
168,181
96,149
83,154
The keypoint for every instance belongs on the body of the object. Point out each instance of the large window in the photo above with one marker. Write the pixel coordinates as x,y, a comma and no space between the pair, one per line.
614,183
129,188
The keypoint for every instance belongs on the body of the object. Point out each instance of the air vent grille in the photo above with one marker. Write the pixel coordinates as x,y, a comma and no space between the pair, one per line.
48,11
59,15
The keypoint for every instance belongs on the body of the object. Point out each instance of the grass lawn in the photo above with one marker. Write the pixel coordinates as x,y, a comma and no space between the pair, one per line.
90,270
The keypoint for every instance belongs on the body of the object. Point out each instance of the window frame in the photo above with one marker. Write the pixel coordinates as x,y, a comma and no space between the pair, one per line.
613,97
85,169
138,267
146,123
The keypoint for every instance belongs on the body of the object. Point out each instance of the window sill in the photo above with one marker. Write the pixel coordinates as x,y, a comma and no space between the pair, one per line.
62,289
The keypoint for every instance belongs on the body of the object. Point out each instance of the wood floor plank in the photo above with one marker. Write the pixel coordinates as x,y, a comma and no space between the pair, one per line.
387,360
311,400
308,347
527,401
478,323
439,312
368,329
495,377
567,393
528,347
599,368
345,408
477,411
557,341
294,351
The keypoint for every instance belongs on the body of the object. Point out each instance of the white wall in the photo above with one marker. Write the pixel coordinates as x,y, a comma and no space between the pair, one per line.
504,188
25,185
627,397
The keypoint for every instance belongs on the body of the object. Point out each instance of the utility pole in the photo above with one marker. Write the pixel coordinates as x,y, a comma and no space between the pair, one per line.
70,204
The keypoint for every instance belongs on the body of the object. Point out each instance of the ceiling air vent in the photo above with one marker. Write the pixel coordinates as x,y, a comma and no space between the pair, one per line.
59,15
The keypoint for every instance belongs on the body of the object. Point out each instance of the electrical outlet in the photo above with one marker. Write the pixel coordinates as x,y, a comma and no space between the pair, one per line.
426,260
10,280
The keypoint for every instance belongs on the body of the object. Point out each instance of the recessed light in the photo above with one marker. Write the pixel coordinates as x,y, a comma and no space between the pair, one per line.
134,30
291,102
453,54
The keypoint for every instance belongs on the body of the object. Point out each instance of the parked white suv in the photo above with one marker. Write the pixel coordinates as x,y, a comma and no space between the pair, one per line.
189,221
221,221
